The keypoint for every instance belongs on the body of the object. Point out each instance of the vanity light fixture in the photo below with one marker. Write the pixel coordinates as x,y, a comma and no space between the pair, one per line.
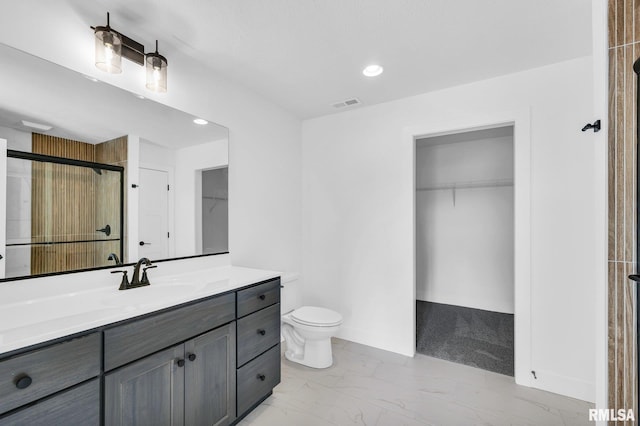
108,49
111,46
372,70
156,71
200,121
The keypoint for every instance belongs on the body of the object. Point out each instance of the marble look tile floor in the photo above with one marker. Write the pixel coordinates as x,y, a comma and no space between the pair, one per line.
368,386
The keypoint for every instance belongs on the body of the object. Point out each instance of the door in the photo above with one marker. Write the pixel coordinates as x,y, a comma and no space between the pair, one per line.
153,225
210,378
147,392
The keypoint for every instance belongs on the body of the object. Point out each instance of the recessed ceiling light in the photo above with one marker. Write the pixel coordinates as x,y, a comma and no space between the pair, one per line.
139,96
200,121
88,77
372,70
38,126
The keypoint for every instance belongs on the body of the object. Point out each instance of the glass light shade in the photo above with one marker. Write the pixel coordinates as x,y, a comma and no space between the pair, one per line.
156,72
108,50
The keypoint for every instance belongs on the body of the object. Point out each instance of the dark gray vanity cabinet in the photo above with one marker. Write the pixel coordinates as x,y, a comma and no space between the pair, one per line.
192,383
55,372
77,406
258,340
206,362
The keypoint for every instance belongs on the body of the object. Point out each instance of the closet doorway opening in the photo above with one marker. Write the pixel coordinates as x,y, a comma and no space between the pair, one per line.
464,242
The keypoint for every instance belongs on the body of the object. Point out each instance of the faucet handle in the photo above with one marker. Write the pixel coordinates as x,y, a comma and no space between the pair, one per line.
124,284
145,278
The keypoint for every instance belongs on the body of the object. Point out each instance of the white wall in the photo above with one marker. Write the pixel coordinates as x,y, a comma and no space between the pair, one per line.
358,222
264,147
464,236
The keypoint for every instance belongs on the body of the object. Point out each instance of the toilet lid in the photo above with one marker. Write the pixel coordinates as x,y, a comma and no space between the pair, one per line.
320,317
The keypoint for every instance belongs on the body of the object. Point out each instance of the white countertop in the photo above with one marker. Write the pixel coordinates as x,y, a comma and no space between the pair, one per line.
38,310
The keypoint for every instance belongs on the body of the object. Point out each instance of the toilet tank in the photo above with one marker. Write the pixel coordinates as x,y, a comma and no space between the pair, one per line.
290,293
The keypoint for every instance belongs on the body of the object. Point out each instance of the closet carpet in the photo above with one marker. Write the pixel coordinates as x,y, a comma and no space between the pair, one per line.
468,336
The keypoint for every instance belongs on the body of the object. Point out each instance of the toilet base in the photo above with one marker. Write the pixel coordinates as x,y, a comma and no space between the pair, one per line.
315,354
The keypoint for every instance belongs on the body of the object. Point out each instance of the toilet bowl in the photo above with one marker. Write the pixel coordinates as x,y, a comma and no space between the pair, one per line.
307,333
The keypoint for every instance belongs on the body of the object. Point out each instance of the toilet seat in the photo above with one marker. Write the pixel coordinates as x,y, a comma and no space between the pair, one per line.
316,317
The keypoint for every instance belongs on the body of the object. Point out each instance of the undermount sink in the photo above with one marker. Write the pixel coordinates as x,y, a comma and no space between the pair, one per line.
152,294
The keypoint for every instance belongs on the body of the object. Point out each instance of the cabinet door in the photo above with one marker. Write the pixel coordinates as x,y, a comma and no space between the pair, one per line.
210,379
78,406
147,392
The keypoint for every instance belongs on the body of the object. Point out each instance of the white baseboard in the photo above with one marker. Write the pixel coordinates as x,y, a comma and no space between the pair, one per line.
564,385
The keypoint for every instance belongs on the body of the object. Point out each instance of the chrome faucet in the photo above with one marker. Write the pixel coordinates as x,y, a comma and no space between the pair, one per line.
136,281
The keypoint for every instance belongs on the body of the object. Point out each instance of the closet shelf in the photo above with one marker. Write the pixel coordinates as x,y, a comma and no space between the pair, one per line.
474,184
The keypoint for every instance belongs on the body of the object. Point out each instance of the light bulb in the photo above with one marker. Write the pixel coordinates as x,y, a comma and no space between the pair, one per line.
108,52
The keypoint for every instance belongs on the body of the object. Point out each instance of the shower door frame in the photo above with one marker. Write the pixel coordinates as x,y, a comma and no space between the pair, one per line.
10,153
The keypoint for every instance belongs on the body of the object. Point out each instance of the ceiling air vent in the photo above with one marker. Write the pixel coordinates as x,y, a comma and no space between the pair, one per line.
347,103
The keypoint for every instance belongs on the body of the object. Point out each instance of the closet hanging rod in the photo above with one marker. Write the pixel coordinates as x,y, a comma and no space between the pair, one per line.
464,185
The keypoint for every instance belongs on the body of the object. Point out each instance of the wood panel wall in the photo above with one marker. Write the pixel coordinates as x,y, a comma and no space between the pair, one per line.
70,203
624,49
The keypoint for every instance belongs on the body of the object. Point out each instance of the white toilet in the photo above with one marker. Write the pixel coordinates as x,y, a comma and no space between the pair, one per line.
307,333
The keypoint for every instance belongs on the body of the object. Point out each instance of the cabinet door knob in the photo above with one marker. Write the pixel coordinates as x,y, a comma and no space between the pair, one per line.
262,377
262,297
262,332
192,357
23,381
180,363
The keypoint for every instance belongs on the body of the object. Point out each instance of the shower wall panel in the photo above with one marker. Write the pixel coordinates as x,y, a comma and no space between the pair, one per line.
72,202
624,49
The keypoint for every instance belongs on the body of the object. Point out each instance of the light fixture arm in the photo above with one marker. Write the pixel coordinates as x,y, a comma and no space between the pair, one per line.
131,49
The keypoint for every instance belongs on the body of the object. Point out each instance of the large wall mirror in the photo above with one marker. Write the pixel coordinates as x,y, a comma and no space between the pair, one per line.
95,176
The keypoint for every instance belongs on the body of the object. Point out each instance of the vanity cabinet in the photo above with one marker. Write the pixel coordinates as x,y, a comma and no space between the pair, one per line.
77,406
191,383
43,372
205,362
258,342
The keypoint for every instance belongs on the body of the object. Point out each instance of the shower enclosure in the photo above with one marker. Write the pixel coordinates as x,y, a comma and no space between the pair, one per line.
62,214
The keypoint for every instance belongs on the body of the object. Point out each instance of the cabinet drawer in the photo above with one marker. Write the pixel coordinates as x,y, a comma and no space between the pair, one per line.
50,369
258,297
79,406
258,332
134,340
258,378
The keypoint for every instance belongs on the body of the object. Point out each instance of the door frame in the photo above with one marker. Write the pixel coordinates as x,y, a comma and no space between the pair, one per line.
3,211
521,122
170,201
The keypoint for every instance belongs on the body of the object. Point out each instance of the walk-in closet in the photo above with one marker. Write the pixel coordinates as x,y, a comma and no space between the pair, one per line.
465,248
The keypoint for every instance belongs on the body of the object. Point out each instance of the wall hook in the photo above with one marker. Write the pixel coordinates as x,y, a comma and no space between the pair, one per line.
595,126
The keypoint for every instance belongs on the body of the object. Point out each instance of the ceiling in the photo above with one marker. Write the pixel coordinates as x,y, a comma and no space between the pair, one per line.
306,55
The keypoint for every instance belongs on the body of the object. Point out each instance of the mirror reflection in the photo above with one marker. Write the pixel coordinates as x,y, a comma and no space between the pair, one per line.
98,176
62,214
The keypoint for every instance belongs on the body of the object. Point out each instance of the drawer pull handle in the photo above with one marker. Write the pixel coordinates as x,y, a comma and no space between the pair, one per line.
180,363
262,332
23,381
192,357
262,377
262,297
